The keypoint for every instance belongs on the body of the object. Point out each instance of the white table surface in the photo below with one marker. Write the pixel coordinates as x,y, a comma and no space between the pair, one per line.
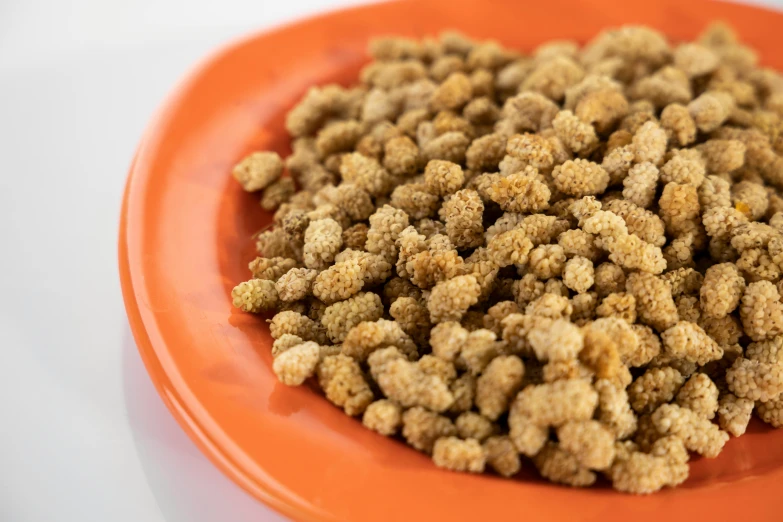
83,434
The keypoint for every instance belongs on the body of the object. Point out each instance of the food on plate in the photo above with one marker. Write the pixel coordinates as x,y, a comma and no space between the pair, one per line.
568,259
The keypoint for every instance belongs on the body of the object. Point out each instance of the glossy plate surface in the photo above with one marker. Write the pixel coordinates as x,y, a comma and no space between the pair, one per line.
185,242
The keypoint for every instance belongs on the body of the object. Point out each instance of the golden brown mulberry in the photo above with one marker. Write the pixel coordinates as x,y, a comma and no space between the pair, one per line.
339,281
447,121
554,404
527,289
498,384
679,208
617,162
255,295
602,108
688,341
589,84
406,384
678,123
551,306
770,411
609,278
342,316
421,428
553,77
366,173
462,213
386,224
557,341
649,143
684,281
323,239
711,109
558,465
479,349
519,192
755,380
584,306
342,381
527,111
654,303
578,136
413,318
639,221
414,200
722,156
258,170
734,414
295,284
698,434
578,274
472,425
589,441
340,136
665,86
277,193
285,342
577,242
725,330
496,313
409,122
688,308
315,107
751,198
351,199
722,290
649,346
383,416
697,262
531,149
766,351
290,322
685,167
441,68
655,387
401,156
481,110
454,42
450,299
614,411
459,455
485,153
502,456
432,365
455,91
644,473
639,186
761,311
368,336
756,265
619,304
380,105
700,395
695,59
270,268
580,178
546,261
443,177
755,235
297,363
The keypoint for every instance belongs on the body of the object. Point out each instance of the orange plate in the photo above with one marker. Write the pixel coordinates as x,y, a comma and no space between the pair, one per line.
185,241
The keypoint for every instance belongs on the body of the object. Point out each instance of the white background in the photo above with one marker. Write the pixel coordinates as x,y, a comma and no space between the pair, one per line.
83,434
